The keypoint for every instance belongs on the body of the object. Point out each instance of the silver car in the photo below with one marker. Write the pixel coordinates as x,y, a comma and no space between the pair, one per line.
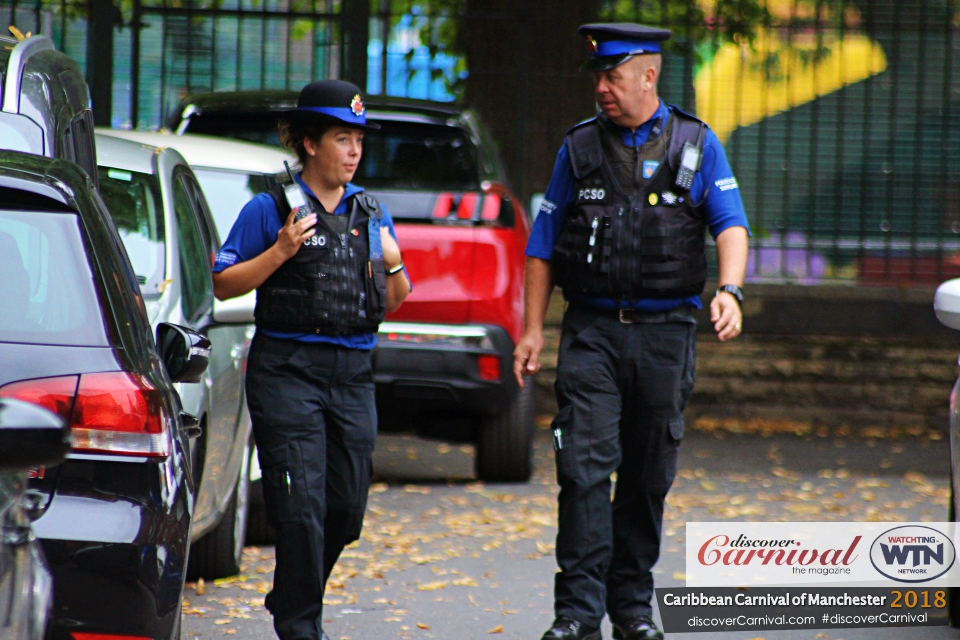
164,220
231,173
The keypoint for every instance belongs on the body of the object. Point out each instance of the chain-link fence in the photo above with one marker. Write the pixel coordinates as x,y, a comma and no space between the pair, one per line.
842,122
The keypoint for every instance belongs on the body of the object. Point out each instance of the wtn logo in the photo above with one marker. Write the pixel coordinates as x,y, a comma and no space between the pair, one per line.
912,553
899,554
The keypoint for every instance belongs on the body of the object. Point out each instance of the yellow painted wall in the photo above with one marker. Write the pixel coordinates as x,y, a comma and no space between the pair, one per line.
743,84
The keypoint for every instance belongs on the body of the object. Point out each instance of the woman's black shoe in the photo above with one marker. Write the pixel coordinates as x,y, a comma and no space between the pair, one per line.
569,629
637,629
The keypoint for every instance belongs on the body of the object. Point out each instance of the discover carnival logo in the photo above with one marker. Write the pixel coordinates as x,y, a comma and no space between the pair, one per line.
744,551
912,553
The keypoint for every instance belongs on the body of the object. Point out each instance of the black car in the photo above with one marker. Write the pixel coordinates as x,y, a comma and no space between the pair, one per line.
114,519
45,103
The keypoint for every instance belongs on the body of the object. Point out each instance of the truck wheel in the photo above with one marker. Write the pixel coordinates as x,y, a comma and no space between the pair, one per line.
218,554
505,445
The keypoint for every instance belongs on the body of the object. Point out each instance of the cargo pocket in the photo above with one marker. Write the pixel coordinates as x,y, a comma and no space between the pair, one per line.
563,444
662,470
280,496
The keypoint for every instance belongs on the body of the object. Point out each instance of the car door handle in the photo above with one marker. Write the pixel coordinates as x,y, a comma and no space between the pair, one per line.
191,425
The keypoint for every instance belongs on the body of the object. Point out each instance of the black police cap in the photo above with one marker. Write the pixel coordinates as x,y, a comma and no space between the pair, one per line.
335,101
610,44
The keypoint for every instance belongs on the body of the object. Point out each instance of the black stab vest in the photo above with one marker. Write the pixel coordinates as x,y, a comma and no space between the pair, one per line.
335,284
628,237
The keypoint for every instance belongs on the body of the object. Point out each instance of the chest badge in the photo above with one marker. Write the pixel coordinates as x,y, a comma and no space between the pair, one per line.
355,232
592,194
653,199
670,198
649,168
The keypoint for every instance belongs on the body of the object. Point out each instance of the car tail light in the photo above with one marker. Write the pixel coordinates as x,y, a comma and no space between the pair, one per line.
489,367
53,394
117,412
105,636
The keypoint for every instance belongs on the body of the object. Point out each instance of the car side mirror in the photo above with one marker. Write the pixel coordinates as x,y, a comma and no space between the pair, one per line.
31,436
235,310
946,303
185,353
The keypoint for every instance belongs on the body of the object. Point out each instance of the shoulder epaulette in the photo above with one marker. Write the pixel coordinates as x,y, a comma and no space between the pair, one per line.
581,124
369,204
686,128
583,146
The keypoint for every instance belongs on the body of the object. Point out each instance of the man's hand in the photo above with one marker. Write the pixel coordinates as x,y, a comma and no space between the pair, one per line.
391,251
526,357
726,316
294,233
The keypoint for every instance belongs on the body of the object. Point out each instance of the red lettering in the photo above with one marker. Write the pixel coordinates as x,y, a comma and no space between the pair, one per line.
746,560
771,553
790,556
836,557
853,545
803,553
702,555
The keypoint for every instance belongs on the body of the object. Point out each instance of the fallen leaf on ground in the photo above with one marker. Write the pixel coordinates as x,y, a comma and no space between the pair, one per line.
496,629
423,626
433,586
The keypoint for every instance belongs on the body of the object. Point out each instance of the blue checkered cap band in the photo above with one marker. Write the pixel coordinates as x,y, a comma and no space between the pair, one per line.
625,47
341,113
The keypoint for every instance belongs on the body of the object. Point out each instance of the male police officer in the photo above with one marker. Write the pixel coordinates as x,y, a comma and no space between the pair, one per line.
622,230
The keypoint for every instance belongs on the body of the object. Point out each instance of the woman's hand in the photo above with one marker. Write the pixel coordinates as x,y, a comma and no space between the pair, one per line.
294,233
391,250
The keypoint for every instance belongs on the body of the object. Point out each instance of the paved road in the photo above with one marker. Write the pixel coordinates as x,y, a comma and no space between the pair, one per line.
443,556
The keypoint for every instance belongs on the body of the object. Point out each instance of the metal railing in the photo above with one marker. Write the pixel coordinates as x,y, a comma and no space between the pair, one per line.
164,49
841,120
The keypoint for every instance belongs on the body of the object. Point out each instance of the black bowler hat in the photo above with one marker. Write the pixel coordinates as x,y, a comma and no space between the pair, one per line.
336,101
610,44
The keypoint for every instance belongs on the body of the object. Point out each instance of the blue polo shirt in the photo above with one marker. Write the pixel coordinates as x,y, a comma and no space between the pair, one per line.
256,230
714,186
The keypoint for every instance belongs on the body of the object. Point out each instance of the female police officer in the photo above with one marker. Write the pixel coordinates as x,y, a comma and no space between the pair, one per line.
323,285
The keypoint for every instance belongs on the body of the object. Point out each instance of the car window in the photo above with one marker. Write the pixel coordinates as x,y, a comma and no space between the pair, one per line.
196,285
227,192
410,155
207,227
252,126
47,290
133,200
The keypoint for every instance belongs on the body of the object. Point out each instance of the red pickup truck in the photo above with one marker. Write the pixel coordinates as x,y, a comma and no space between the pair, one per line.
444,362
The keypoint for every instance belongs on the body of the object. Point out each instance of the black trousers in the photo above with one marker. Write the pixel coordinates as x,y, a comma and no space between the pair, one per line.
621,390
315,424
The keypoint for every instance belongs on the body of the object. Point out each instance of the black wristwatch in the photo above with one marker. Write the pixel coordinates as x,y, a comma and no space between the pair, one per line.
733,290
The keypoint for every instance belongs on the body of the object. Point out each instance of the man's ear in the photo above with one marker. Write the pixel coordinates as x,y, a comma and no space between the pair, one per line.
650,77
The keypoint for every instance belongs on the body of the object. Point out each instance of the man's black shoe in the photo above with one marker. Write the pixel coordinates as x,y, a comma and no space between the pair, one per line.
643,628
565,628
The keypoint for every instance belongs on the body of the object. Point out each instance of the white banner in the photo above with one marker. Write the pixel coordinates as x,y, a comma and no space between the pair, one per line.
744,554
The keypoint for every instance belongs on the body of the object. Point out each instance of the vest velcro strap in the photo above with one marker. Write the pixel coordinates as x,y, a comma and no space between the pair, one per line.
666,232
662,267
649,249
679,282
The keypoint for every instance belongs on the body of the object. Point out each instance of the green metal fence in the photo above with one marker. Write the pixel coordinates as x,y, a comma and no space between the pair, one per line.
841,119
